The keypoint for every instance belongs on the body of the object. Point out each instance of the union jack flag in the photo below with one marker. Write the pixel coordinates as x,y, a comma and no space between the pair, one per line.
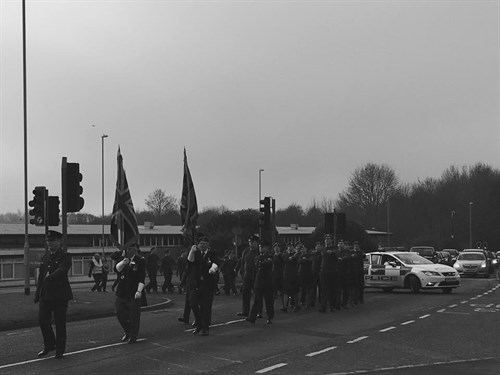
124,229
189,206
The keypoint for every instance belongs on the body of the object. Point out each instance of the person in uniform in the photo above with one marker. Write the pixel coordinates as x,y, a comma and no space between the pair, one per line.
278,267
328,275
291,285
263,285
247,269
152,261
306,279
316,268
166,266
358,273
52,295
204,264
345,271
131,270
228,273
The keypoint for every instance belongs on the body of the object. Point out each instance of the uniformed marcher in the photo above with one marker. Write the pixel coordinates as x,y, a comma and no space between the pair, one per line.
263,285
278,268
329,276
306,279
358,273
131,272
53,293
247,270
345,271
291,284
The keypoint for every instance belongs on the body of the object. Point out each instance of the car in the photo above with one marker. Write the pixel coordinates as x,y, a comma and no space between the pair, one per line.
408,270
427,252
453,252
489,257
472,263
444,257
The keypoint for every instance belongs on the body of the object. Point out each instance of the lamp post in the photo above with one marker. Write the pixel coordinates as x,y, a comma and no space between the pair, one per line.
260,196
102,196
470,224
452,226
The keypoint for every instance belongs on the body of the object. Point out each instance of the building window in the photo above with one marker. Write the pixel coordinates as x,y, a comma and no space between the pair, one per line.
11,269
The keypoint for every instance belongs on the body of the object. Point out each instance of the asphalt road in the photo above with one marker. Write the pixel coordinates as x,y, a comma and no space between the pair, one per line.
391,333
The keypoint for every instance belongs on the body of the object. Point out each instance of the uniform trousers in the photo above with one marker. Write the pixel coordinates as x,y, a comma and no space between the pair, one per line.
128,312
201,304
45,311
267,295
247,294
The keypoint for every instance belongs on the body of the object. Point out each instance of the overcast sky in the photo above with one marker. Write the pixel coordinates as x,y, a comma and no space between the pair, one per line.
306,90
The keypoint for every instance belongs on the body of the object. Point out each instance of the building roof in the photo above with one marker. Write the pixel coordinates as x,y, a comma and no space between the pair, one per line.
88,229
295,230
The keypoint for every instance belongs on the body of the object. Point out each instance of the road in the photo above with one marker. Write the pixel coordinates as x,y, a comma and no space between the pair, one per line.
391,333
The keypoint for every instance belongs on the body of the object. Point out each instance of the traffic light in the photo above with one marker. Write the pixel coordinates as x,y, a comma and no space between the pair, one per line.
265,213
74,201
38,204
53,211
340,224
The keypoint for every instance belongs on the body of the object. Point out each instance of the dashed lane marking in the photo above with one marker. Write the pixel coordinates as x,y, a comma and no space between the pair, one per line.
270,368
357,339
408,322
424,316
321,351
387,329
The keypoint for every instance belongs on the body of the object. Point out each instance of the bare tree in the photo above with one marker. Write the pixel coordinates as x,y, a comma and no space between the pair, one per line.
160,203
368,192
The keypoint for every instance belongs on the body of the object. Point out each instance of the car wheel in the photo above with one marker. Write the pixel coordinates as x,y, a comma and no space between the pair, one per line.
387,290
447,290
486,275
414,284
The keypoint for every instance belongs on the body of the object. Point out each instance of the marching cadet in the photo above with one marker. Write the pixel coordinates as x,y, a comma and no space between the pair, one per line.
228,273
329,276
306,277
278,268
263,285
291,286
316,268
247,269
358,273
345,273
53,293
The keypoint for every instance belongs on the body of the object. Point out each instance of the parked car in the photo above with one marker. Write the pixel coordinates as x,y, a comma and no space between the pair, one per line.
428,252
390,270
472,263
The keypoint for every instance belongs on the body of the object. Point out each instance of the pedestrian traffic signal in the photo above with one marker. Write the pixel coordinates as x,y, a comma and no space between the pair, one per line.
53,211
265,213
38,204
74,201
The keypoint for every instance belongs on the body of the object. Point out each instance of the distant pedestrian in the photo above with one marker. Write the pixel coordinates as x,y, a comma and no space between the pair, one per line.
53,293
167,264
95,271
247,270
105,273
131,270
152,261
228,269
291,285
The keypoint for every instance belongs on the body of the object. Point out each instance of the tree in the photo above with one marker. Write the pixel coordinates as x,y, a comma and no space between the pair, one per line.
160,203
366,197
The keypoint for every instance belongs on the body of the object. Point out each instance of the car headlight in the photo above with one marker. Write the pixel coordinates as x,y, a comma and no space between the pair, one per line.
431,273
483,265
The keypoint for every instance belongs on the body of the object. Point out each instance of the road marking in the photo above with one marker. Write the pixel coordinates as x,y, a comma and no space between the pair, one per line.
198,353
387,329
453,312
453,306
408,322
218,324
424,316
270,368
442,310
464,302
321,351
66,354
357,340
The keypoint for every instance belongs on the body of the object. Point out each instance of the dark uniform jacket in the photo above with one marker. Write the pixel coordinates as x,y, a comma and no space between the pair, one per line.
53,282
130,277
247,267
329,260
264,271
199,270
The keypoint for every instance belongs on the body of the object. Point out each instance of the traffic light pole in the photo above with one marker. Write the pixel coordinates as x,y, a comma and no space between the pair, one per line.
64,215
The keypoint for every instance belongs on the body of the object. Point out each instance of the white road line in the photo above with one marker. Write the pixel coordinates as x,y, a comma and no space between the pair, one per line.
357,340
387,329
453,306
321,351
464,302
424,316
270,368
442,310
408,322
66,354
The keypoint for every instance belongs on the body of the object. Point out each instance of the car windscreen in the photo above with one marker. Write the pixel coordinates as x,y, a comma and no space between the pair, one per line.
412,258
471,256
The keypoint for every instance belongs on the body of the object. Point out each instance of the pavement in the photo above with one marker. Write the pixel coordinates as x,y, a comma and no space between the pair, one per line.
18,310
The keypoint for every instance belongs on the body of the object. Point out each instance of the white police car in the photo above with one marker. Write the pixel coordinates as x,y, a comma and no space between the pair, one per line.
409,271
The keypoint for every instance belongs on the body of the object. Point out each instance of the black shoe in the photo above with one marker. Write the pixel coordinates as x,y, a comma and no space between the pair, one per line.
125,337
250,320
204,332
241,314
194,324
58,355
259,316
182,320
132,340
45,351
269,321
197,330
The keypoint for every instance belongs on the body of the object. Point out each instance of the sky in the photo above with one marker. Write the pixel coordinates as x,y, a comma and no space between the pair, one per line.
308,91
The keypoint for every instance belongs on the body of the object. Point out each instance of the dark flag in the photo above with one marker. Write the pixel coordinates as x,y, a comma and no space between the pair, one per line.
124,230
189,207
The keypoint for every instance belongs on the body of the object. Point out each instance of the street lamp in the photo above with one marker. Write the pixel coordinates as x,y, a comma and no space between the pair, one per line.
102,196
260,196
470,224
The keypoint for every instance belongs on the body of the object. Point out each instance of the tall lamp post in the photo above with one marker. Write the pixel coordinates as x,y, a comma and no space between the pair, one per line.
470,224
260,196
102,195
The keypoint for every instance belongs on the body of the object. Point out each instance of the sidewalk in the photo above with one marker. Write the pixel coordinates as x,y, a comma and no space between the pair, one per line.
18,310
